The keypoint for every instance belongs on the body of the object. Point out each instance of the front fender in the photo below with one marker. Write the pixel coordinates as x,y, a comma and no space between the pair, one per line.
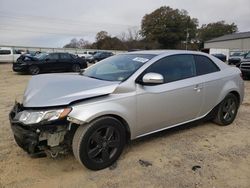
86,113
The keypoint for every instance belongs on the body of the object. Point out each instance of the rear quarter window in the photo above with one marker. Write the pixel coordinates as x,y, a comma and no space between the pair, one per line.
5,52
204,65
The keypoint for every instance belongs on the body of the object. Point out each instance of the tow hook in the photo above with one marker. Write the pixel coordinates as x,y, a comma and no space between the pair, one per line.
54,154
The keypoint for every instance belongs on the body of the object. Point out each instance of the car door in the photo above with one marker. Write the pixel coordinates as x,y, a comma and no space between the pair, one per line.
212,79
6,55
177,100
51,62
65,62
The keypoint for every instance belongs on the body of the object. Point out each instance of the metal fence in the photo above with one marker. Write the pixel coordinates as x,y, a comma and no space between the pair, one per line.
69,50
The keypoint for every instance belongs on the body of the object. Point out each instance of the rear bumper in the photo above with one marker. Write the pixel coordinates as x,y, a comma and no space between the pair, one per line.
245,72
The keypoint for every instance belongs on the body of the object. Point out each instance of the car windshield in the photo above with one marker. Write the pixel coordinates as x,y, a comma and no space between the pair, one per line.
247,56
41,56
237,54
98,54
117,68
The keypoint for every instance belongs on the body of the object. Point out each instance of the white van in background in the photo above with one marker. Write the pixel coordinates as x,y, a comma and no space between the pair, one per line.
86,54
9,55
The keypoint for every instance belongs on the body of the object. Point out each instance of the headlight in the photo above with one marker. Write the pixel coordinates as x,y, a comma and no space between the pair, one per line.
32,117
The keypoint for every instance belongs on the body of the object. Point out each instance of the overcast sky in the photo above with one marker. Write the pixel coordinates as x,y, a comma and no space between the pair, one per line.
52,23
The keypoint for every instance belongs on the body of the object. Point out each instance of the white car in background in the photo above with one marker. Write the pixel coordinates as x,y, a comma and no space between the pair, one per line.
86,54
9,55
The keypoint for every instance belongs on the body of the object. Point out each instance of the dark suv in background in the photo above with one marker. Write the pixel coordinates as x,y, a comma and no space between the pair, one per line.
236,57
49,62
245,66
99,56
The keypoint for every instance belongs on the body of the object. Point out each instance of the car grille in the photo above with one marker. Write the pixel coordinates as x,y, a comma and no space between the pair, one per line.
245,65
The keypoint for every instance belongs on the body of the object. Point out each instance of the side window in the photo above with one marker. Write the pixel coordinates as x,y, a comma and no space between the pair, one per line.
247,56
175,67
53,56
17,51
5,52
204,65
65,56
73,56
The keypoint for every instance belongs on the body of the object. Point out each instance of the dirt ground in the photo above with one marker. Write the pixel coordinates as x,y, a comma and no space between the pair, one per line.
203,155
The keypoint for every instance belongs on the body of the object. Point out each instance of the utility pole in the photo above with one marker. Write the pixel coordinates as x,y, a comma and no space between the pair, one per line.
187,36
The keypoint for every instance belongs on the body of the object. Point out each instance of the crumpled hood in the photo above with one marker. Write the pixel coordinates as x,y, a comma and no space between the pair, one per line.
61,89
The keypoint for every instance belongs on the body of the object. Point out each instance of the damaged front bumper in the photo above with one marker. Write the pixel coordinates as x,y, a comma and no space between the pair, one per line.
42,138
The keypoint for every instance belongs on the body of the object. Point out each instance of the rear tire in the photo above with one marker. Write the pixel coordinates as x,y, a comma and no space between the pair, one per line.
227,110
34,70
100,143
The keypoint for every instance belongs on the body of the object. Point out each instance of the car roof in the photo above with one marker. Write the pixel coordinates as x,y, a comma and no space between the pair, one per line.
58,53
166,52
5,48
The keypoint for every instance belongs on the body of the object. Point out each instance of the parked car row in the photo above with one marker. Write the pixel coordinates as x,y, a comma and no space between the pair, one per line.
244,66
9,55
49,62
240,59
98,56
222,57
236,57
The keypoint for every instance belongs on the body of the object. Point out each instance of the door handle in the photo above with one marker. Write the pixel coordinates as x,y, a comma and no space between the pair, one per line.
198,87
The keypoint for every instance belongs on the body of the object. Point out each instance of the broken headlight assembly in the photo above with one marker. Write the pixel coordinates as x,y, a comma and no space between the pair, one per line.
29,117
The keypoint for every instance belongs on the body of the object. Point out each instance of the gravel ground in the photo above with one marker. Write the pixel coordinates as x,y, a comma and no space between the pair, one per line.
198,155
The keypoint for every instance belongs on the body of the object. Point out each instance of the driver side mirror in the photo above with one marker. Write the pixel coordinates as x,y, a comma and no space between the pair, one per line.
152,78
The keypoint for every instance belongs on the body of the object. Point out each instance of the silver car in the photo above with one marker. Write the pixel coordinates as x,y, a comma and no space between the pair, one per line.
122,98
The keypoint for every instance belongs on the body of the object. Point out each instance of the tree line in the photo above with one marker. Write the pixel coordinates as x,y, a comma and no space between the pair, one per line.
164,28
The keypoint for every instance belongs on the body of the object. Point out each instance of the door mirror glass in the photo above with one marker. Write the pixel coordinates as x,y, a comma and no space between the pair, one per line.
153,78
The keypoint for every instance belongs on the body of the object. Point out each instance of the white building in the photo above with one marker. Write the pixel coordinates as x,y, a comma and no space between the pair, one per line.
228,43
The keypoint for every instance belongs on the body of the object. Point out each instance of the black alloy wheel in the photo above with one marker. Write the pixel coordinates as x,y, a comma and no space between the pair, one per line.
103,144
100,143
227,110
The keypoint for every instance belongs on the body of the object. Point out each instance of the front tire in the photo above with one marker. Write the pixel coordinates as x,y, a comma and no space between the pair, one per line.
76,68
34,70
100,143
227,110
